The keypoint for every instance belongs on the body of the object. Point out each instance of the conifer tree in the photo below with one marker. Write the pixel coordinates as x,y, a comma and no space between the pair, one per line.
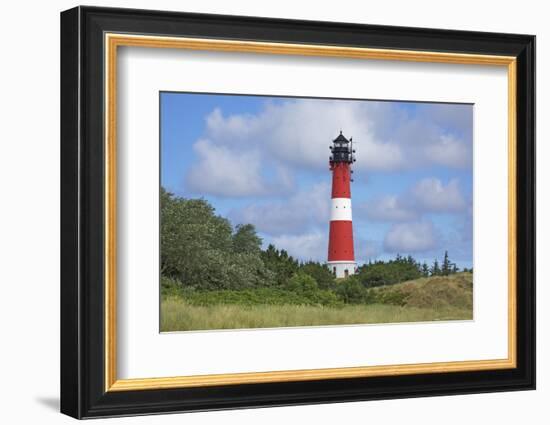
425,269
435,270
446,266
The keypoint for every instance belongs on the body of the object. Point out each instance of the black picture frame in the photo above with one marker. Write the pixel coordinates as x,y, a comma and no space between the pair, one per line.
83,392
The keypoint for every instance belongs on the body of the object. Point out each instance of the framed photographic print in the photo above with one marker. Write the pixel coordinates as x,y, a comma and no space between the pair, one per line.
261,212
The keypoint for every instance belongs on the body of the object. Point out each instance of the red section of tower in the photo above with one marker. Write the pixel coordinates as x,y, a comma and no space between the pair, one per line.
341,177
340,247
340,242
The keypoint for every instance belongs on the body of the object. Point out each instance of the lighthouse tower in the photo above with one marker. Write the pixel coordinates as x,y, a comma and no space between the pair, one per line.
341,257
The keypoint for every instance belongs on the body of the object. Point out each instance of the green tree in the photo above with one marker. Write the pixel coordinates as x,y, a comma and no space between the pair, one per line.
382,273
446,265
351,291
198,247
282,265
245,239
302,283
189,232
425,270
435,270
320,272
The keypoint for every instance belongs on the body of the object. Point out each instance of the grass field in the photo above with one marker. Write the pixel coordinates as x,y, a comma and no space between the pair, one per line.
427,299
179,316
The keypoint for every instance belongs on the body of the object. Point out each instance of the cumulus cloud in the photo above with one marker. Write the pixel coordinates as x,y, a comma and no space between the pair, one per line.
449,151
300,131
303,211
388,208
431,195
388,138
223,172
307,246
411,231
257,154
417,236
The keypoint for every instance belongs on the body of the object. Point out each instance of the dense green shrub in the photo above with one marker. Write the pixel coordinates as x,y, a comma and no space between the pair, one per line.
302,283
351,291
382,273
319,272
269,296
389,296
280,264
170,287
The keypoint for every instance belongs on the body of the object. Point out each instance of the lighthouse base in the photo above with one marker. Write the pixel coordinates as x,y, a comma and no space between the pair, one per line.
342,269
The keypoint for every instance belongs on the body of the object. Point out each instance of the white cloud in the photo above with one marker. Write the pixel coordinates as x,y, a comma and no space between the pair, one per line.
431,195
231,128
450,152
308,246
411,237
300,132
223,172
388,208
300,212
257,154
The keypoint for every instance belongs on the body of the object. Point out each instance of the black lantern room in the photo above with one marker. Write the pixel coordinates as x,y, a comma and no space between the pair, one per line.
342,150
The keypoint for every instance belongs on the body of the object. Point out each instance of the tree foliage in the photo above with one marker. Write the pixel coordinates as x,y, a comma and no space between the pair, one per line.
245,240
382,273
446,265
435,270
200,249
351,291
320,272
278,262
302,282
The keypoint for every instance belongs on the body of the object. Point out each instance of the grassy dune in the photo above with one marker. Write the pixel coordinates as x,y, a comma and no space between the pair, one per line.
427,299
430,292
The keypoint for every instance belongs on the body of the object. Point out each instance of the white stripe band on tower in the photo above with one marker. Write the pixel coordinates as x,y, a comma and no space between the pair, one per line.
341,209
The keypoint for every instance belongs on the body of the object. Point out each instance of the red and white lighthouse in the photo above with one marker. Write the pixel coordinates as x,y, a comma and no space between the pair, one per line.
341,257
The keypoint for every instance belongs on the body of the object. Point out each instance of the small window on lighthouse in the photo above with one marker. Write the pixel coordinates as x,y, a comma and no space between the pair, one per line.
346,273
334,270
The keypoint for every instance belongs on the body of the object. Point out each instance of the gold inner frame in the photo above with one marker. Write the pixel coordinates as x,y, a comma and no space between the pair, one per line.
113,41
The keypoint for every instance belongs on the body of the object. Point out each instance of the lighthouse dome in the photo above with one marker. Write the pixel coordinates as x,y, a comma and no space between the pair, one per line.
341,139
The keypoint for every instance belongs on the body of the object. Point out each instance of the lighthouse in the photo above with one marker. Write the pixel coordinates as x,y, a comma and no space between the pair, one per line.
341,257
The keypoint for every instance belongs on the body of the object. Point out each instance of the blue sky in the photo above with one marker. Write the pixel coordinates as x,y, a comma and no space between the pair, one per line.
264,160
